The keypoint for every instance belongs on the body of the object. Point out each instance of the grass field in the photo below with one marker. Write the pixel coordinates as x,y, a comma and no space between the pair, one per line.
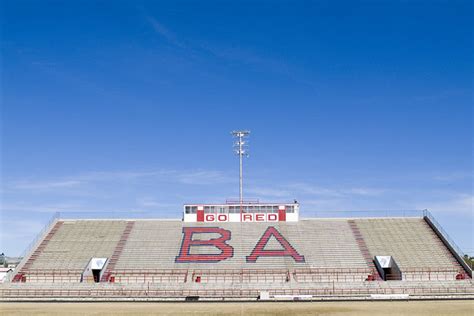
300,308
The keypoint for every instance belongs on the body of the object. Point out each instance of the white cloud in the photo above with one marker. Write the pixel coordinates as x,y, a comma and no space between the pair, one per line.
202,177
309,189
164,32
453,176
365,191
183,176
460,203
45,185
149,202
41,208
269,192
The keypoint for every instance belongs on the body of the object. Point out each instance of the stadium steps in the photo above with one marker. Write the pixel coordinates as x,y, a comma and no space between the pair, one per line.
448,253
146,253
117,251
70,248
19,276
363,249
412,243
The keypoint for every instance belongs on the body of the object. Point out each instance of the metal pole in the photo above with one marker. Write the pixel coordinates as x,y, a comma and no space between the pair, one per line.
240,149
241,182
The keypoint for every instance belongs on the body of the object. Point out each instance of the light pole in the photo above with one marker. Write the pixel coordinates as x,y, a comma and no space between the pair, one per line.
241,149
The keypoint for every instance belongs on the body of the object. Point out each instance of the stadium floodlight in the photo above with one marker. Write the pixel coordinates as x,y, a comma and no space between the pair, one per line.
241,149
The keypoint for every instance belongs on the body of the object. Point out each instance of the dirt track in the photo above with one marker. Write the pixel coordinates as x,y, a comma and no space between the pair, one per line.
325,308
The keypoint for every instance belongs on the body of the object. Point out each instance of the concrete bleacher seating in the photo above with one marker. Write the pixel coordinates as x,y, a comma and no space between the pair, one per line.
418,251
76,242
154,244
65,254
336,254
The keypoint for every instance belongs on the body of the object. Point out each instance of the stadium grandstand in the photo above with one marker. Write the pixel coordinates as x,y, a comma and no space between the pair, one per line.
242,251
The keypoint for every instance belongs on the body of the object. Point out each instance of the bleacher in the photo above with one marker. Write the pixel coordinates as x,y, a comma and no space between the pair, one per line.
419,252
337,256
65,254
77,241
324,243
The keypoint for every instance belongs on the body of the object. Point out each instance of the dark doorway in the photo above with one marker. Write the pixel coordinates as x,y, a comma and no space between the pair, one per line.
96,275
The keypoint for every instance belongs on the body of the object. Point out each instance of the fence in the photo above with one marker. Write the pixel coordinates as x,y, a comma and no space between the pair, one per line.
303,275
363,214
150,276
241,276
222,293
426,274
332,274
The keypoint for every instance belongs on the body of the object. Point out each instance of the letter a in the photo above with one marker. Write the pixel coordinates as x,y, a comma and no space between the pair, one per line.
287,250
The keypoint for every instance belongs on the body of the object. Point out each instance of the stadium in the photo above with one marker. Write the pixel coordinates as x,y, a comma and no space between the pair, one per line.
119,194
242,250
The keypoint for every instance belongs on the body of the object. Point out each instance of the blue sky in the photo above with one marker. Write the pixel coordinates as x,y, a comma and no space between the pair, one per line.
127,106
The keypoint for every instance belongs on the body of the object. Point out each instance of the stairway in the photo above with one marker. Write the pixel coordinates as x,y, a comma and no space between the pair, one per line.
19,276
118,251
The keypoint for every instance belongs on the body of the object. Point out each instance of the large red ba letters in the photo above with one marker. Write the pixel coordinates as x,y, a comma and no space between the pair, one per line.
259,250
220,243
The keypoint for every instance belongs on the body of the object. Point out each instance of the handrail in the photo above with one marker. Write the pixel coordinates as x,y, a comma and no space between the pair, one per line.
456,248
361,214
39,235
94,292
307,214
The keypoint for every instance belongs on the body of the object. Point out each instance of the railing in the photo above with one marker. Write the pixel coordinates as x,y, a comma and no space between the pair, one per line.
241,275
223,293
303,275
331,275
425,274
40,235
115,215
455,247
307,214
149,276
52,276
246,201
362,214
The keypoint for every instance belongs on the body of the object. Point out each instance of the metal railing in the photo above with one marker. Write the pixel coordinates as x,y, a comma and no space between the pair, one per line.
305,213
95,292
116,215
143,276
52,276
425,274
241,275
303,275
361,214
455,247
40,235
332,274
